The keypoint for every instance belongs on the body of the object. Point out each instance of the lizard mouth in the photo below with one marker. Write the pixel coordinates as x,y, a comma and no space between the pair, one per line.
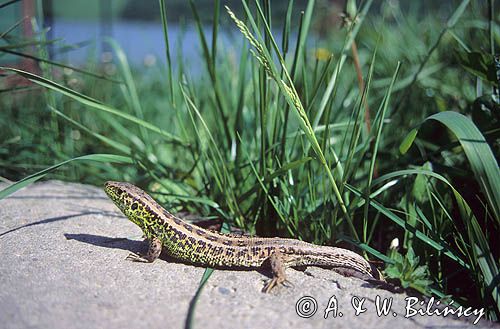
114,192
125,198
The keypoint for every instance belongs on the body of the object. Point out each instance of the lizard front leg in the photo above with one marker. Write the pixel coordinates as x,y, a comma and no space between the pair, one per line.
276,261
153,253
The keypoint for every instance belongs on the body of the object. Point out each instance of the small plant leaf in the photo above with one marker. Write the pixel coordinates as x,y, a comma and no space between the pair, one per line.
408,141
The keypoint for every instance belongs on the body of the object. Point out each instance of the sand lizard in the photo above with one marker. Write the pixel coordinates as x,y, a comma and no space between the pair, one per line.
199,246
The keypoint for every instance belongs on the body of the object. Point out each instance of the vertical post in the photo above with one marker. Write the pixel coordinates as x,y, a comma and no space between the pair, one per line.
105,23
28,11
48,19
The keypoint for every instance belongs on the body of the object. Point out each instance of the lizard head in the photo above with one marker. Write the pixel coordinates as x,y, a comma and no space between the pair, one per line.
130,199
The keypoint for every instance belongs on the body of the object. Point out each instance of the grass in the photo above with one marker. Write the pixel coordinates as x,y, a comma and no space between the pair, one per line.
329,140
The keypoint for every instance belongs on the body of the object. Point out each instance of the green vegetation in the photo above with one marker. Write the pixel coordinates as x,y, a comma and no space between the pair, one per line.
383,128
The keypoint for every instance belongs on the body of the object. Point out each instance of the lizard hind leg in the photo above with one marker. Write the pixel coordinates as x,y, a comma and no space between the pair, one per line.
153,253
278,270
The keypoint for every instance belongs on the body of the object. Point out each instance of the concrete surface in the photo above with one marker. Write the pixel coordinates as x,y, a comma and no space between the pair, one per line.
63,249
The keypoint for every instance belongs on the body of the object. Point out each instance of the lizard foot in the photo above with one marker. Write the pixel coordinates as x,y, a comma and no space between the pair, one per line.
275,281
137,258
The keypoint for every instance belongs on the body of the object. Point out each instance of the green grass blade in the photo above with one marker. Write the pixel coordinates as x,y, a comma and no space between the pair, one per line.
268,195
376,145
105,158
210,62
222,176
131,88
402,223
478,152
188,198
163,14
368,249
119,146
192,305
6,3
215,30
283,170
288,90
27,44
93,103
333,80
286,27
482,256
481,252
452,20
407,141
303,33
11,28
73,68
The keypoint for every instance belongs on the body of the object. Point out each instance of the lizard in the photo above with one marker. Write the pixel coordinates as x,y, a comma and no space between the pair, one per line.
195,245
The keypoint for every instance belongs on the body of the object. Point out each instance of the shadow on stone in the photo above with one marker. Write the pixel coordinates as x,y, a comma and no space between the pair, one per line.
107,242
57,197
51,220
